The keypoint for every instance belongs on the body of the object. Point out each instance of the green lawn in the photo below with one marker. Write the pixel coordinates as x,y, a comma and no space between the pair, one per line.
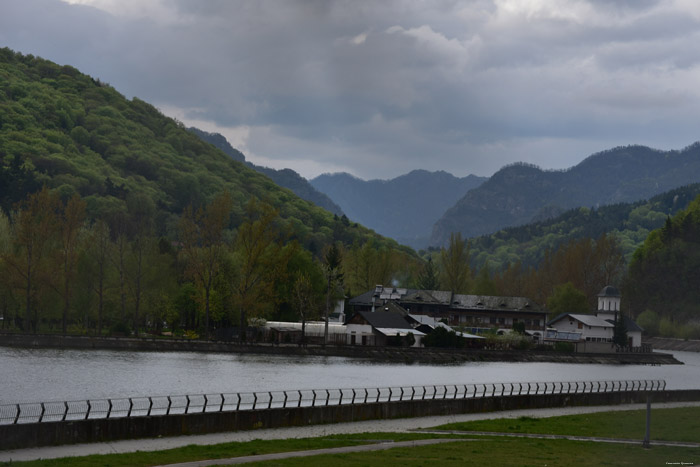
218,451
506,452
682,424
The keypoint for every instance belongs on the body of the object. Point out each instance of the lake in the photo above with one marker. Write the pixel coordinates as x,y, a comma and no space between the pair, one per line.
37,375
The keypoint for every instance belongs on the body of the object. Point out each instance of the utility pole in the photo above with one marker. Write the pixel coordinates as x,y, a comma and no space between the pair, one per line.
645,443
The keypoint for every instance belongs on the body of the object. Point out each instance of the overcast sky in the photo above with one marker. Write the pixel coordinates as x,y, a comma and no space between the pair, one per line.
379,88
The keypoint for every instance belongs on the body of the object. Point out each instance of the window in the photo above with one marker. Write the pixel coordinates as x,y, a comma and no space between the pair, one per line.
580,326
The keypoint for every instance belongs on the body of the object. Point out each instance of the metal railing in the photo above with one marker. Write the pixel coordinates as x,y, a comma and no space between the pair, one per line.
39,412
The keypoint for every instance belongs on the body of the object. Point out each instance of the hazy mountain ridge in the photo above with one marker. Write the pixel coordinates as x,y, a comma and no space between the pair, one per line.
520,193
404,208
286,178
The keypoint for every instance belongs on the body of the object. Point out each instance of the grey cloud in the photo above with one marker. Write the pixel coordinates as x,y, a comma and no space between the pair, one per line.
447,85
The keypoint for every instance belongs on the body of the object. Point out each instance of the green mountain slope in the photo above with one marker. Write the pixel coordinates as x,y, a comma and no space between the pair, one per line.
65,130
286,178
664,275
521,193
631,223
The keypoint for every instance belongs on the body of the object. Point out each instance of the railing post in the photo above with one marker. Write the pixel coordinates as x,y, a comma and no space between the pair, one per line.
109,408
313,402
340,401
413,391
455,396
284,403
150,404
238,404
401,398
299,403
434,392
352,402
390,394
223,399
269,403
483,394
41,415
328,396
206,403
187,407
379,392
170,404
255,399
128,414
19,410
423,396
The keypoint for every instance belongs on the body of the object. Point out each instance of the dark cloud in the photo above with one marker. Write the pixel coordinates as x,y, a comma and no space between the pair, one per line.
377,88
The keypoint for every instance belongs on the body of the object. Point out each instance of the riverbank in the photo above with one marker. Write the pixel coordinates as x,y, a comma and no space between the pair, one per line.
381,354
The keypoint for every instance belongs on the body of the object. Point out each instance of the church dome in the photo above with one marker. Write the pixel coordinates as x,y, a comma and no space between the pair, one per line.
609,291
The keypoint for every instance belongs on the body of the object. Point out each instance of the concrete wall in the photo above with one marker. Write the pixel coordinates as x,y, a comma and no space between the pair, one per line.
100,430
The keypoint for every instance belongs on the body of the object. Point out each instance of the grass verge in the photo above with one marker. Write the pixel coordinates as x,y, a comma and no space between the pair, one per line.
678,424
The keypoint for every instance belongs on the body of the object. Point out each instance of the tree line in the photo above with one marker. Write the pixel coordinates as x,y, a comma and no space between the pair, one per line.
61,271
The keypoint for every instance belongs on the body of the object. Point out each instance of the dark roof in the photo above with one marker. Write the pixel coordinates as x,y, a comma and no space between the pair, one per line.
609,291
630,325
444,298
385,319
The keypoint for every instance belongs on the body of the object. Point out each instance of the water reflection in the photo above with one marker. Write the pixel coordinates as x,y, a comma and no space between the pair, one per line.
52,374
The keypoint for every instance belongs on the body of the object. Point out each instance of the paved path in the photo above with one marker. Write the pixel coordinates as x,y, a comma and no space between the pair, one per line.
316,452
597,439
372,426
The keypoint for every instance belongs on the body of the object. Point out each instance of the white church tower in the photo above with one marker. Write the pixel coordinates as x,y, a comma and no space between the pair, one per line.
608,302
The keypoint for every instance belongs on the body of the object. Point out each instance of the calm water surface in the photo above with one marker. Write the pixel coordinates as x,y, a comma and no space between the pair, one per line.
30,375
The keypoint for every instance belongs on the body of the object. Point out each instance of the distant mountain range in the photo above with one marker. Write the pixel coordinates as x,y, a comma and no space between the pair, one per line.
521,193
286,178
404,208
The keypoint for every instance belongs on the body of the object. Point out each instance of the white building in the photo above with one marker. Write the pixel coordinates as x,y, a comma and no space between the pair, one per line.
599,327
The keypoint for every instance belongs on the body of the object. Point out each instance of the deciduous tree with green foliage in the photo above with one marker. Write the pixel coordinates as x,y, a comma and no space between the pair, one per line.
567,299
34,226
454,265
203,245
257,260
332,266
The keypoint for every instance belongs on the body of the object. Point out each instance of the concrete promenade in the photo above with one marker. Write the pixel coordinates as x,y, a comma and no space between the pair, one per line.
373,426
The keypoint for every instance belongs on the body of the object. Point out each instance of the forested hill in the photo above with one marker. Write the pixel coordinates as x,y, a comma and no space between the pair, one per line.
404,208
286,178
630,223
663,277
521,193
75,134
